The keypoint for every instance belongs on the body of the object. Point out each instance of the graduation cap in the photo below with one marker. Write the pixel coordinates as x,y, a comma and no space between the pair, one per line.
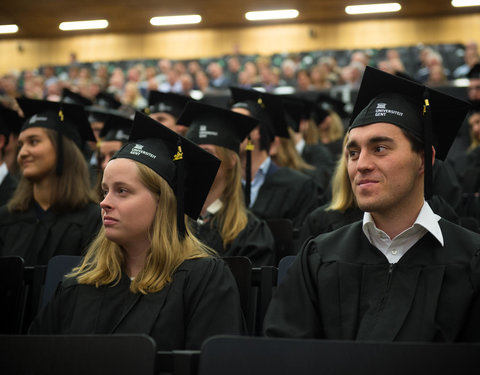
324,104
168,102
68,96
107,100
100,114
187,168
296,109
116,128
66,119
266,108
10,122
474,72
217,126
429,115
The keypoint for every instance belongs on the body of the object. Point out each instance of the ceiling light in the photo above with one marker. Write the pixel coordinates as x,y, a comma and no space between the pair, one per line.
271,15
8,29
176,20
465,3
373,8
83,25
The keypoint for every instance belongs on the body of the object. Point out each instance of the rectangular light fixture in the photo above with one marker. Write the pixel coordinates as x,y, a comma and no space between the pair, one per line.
83,25
8,29
465,3
373,8
280,14
176,20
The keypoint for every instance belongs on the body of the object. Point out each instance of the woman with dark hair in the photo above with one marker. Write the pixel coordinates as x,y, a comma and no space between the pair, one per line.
146,272
53,210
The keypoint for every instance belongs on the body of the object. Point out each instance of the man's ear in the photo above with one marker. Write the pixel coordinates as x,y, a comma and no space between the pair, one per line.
433,155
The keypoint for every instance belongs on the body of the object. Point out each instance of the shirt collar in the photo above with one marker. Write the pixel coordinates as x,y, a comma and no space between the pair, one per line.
426,219
300,145
3,171
263,169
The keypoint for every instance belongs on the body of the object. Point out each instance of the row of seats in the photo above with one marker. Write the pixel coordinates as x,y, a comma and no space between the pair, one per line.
25,290
233,355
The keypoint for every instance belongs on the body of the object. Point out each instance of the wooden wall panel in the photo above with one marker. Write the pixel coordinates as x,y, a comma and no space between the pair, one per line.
186,44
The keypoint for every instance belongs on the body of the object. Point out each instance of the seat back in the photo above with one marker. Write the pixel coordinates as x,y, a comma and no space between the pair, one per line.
241,268
264,281
11,294
78,354
258,356
282,230
283,267
57,267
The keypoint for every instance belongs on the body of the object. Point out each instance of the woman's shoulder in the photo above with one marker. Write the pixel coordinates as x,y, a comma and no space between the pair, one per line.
201,264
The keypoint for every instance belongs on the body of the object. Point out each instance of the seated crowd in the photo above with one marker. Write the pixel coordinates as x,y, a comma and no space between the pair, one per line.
152,187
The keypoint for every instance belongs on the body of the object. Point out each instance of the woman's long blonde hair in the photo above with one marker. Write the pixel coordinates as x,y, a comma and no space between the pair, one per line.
232,217
70,191
288,156
105,260
342,193
335,131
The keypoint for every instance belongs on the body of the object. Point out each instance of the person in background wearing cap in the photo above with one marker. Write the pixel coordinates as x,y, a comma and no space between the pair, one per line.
53,210
10,123
225,224
146,272
404,273
297,117
113,136
165,107
329,125
276,192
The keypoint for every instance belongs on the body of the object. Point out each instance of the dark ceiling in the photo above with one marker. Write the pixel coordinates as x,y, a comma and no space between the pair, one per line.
40,18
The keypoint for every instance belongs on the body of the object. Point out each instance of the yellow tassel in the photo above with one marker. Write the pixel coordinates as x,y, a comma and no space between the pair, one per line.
179,154
249,146
425,105
60,114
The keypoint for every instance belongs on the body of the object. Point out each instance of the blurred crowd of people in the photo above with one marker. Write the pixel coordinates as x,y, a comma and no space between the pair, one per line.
196,78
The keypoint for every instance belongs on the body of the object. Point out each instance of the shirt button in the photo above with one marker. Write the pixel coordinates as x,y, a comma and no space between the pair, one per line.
394,251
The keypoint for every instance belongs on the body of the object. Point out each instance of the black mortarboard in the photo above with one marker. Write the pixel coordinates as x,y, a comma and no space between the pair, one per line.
187,168
116,128
474,72
68,96
168,102
431,116
107,100
67,119
324,104
100,114
296,109
217,126
265,107
10,122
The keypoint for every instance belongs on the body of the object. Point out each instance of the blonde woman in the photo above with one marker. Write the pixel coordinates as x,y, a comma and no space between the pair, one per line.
225,224
146,272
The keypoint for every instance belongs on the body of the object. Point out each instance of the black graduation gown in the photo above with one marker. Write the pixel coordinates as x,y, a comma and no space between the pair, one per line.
321,158
38,240
285,194
202,300
7,188
321,221
255,241
341,287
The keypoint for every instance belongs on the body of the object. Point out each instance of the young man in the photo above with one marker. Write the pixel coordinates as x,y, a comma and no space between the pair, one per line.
404,273
276,192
